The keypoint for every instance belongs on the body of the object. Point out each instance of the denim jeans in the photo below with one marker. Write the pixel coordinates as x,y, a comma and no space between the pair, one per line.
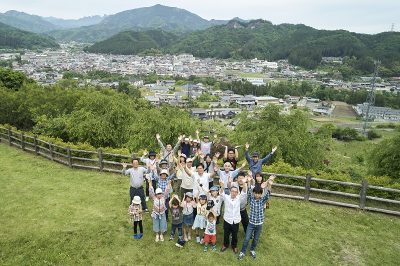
176,227
251,229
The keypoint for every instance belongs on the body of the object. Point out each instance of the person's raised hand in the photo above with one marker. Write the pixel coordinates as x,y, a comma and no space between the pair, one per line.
247,146
243,164
158,136
124,165
274,149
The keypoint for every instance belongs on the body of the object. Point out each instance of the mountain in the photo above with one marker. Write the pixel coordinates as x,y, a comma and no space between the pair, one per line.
131,42
11,37
302,45
155,17
74,23
27,22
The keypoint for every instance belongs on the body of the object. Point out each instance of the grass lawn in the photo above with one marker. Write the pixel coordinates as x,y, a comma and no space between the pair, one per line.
51,214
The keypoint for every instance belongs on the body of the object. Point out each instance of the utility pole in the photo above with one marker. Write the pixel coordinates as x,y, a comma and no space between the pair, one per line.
371,97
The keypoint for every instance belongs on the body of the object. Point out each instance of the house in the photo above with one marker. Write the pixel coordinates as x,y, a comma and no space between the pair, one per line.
265,100
153,100
200,113
246,102
159,89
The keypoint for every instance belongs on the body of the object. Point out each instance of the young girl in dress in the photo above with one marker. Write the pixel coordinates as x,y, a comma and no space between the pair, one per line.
200,220
188,205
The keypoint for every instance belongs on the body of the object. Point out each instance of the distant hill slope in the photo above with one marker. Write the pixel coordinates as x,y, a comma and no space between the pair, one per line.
11,37
302,45
131,42
74,23
27,22
155,17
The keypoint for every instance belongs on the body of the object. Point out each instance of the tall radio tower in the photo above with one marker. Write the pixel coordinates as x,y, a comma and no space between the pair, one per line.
371,97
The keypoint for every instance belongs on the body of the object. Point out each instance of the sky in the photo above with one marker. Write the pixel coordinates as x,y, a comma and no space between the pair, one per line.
363,16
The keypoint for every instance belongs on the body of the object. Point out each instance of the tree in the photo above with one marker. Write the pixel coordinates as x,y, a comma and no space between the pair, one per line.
290,133
385,157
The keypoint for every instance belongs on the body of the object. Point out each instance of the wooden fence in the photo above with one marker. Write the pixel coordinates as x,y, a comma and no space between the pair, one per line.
296,187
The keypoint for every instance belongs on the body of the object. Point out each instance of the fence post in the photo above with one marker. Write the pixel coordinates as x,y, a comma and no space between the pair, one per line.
22,141
100,155
307,187
9,136
363,194
51,151
69,157
36,145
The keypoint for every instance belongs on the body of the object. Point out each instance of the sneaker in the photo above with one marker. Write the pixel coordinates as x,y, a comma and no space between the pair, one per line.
205,248
241,256
157,238
146,210
214,248
185,238
135,236
253,254
171,238
147,198
161,238
189,237
223,248
178,245
140,236
197,239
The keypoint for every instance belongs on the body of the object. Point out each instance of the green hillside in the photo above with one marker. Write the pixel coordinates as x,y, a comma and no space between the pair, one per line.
27,22
51,214
302,45
11,37
147,18
130,42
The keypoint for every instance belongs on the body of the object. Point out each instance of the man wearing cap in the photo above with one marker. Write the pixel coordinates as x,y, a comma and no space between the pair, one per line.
136,174
255,164
167,152
205,144
151,164
231,216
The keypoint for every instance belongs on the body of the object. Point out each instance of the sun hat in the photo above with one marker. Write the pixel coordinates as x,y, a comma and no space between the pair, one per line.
159,191
164,171
136,200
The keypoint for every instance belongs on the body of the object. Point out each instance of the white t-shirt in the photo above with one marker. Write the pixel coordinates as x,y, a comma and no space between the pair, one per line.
197,180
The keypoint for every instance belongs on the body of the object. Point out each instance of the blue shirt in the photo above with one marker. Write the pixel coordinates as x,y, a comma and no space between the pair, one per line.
256,167
257,207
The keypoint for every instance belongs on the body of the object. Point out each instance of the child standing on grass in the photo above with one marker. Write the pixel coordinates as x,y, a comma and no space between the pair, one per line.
159,208
214,202
256,199
188,205
135,211
210,234
200,220
177,217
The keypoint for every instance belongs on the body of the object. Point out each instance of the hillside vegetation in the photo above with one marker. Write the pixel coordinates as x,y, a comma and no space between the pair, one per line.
51,214
302,45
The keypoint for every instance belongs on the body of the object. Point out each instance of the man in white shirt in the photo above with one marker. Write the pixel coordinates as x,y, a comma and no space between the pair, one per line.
231,216
200,180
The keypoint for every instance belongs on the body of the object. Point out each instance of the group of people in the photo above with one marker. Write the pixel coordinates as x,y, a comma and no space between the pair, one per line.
181,185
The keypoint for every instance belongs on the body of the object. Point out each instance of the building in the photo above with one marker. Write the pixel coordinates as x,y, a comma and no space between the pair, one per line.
379,113
265,100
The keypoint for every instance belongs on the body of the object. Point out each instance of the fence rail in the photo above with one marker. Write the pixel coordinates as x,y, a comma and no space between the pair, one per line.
306,191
